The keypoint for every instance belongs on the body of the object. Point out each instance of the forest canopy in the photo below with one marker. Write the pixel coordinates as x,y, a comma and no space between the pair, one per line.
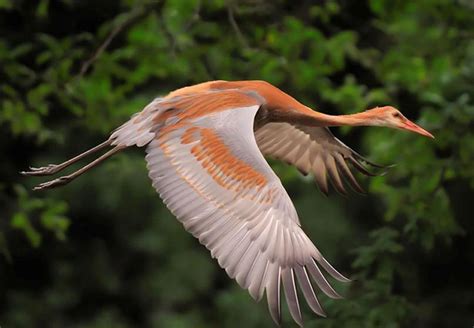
105,252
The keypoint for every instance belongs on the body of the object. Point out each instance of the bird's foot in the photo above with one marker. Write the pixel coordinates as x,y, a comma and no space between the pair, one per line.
53,183
40,171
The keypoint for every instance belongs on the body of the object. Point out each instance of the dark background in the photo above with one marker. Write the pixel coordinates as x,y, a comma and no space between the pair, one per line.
104,251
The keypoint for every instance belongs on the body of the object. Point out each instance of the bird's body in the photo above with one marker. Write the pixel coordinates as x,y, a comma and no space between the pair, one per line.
205,149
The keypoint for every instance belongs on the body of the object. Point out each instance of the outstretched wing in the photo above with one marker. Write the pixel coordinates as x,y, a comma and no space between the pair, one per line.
313,150
210,173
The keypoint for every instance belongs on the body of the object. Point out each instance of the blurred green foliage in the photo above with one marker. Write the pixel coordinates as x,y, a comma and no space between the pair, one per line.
71,71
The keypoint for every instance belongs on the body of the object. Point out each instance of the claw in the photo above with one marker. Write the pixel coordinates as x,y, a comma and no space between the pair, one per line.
53,183
39,171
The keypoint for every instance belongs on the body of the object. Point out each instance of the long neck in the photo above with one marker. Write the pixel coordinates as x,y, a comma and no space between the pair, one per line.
309,117
357,119
285,108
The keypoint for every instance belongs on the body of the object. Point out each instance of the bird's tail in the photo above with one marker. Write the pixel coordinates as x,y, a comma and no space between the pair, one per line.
139,130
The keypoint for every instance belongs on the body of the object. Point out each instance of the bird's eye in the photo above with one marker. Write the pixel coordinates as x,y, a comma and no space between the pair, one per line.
396,115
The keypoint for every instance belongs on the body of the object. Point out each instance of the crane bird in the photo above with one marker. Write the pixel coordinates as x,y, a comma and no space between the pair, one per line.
205,148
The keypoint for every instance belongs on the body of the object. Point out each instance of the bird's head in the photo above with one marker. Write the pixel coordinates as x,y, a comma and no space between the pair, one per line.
391,117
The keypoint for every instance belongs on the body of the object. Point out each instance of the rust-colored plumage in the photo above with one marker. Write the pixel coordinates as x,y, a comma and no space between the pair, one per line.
205,146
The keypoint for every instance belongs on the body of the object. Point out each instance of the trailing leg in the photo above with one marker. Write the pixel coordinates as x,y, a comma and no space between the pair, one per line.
55,168
68,178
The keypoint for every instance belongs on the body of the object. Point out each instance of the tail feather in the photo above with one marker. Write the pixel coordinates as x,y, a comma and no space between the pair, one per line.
138,131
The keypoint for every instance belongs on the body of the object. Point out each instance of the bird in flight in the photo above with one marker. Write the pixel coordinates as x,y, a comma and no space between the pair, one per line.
205,148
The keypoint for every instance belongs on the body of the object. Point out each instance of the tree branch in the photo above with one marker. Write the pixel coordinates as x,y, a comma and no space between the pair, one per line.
235,26
132,17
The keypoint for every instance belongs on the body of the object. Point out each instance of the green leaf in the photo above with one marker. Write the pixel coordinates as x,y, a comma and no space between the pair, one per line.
21,222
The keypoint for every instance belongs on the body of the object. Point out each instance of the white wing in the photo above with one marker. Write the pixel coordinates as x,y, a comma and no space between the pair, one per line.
210,173
313,150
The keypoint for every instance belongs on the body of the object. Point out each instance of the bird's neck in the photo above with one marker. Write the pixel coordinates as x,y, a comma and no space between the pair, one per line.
282,107
306,116
358,119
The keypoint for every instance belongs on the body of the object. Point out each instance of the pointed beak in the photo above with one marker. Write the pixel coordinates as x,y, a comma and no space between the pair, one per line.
410,126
